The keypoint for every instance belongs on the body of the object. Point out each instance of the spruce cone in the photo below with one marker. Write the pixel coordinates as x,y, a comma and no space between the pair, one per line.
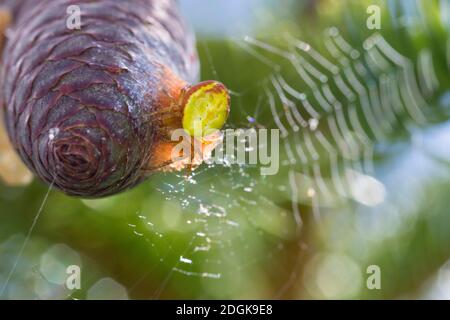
87,109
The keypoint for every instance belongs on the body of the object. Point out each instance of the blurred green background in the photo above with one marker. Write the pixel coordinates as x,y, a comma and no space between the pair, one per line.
228,232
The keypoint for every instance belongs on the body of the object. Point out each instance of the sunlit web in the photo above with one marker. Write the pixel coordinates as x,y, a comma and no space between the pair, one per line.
332,111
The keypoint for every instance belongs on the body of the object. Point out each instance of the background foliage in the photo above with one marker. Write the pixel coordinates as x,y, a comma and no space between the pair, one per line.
135,245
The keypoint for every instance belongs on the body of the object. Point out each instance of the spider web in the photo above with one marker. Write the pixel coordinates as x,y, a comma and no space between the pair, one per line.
351,100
